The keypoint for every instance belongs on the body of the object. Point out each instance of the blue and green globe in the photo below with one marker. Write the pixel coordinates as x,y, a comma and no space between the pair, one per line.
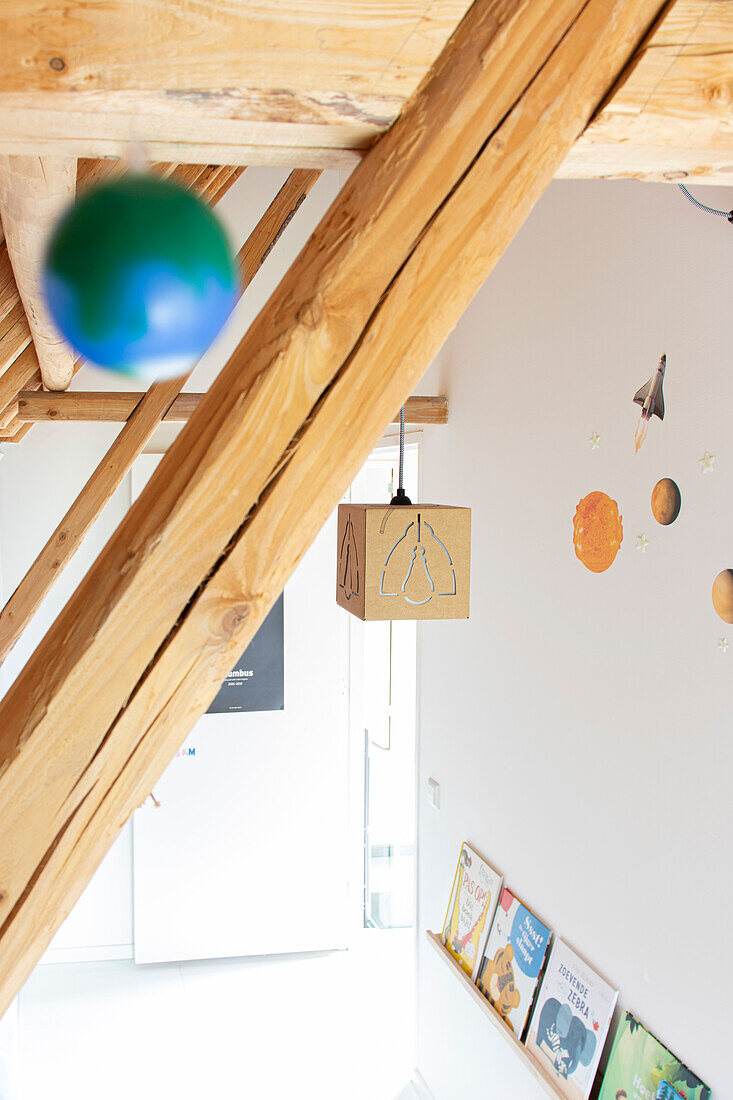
139,277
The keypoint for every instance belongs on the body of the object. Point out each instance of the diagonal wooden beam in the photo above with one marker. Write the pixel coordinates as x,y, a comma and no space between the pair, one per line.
138,652
33,191
22,374
8,289
149,411
116,407
15,335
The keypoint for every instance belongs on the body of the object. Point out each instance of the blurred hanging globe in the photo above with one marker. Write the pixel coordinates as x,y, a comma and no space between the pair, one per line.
139,277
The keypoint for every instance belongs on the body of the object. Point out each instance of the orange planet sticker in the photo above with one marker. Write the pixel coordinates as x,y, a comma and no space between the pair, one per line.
597,531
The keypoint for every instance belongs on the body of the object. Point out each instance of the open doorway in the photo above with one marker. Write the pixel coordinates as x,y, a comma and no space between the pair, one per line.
383,700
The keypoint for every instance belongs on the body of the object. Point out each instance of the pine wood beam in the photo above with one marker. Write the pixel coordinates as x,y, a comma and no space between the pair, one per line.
15,335
33,191
117,407
8,289
297,85
139,651
671,120
149,411
22,374
315,85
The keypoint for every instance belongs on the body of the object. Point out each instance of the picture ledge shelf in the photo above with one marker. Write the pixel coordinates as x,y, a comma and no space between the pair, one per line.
495,1019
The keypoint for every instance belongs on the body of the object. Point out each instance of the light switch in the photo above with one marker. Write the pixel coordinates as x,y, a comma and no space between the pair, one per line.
434,793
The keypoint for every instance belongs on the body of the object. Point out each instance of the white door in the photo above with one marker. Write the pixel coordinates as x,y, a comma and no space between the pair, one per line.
246,853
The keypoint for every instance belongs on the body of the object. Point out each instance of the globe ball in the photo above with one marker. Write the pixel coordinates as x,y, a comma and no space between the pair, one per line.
139,277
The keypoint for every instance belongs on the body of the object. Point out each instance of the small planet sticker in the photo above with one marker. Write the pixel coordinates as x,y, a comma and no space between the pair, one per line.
723,595
666,501
597,531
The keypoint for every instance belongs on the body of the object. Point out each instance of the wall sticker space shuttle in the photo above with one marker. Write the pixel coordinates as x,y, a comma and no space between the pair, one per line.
651,399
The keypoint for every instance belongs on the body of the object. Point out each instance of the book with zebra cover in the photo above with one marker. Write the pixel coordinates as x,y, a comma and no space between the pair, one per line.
510,969
642,1068
570,1022
473,900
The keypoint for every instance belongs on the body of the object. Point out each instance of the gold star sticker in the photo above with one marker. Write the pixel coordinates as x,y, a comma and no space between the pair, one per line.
723,644
595,441
641,543
707,463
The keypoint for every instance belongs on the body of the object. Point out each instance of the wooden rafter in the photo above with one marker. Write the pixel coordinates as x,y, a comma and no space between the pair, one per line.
149,411
314,85
140,649
33,191
116,407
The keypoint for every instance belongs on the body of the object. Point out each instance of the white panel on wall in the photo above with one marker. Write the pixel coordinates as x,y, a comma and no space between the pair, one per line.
579,724
246,854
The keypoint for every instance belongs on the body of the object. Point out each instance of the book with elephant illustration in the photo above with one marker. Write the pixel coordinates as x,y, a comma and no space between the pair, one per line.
570,1022
473,900
639,1067
510,969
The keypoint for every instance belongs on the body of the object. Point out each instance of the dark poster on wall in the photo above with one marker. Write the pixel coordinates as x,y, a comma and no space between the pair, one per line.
257,681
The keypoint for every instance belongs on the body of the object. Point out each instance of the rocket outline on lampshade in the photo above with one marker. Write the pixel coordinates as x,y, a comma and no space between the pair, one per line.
651,399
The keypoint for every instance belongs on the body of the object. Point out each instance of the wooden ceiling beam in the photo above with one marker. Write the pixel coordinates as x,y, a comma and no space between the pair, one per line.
116,407
304,86
672,119
315,87
33,191
141,648
187,144
149,411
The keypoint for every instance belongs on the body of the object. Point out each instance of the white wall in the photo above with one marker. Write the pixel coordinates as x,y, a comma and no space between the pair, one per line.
580,725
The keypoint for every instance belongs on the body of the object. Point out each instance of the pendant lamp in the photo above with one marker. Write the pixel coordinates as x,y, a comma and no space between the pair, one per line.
403,560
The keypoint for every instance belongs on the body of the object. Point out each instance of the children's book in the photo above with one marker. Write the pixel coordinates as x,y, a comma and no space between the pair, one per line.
473,900
515,951
666,1092
570,1022
639,1065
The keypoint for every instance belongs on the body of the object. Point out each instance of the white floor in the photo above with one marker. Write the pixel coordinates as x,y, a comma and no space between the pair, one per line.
323,1026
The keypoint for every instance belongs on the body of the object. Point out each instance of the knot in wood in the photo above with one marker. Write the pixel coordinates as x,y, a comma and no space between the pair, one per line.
310,314
234,618
57,64
719,93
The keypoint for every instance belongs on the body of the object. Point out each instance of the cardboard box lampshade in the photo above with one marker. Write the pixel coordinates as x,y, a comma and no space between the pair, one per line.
403,562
